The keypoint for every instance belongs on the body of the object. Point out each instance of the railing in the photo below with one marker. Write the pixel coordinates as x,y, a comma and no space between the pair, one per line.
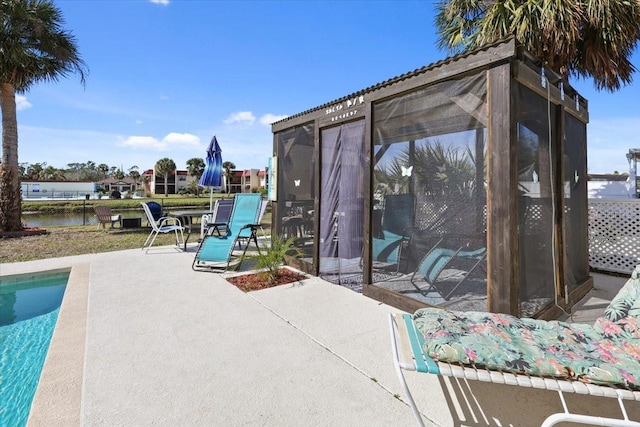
58,195
614,235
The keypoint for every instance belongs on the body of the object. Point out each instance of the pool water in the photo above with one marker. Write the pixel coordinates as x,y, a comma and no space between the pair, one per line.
29,307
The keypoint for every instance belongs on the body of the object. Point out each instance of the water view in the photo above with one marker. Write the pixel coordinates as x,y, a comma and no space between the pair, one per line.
69,219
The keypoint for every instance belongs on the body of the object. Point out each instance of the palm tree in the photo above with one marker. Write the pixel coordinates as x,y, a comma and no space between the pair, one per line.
228,168
35,48
103,168
573,38
118,174
195,168
165,167
135,175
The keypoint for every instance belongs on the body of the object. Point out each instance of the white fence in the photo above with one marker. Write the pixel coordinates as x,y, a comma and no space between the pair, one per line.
614,235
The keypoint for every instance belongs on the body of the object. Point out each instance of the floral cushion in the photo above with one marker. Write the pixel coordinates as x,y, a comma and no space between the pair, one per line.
606,353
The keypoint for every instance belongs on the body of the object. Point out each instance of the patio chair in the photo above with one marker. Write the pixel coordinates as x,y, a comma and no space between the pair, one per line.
215,251
263,209
163,225
104,215
438,258
392,227
593,359
217,220
156,210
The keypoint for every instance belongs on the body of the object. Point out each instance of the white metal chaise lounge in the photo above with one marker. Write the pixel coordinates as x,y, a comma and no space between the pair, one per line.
602,359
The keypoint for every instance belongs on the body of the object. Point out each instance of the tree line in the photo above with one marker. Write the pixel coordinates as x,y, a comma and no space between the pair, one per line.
88,171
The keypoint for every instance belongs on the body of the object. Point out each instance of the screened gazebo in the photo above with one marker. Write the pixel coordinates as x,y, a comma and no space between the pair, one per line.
459,184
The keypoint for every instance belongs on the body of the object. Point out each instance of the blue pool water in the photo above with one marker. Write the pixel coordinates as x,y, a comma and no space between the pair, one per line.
29,307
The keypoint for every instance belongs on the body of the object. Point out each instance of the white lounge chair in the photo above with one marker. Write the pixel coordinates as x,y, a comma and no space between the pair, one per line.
499,348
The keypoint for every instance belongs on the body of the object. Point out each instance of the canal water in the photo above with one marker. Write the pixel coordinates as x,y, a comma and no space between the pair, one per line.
69,219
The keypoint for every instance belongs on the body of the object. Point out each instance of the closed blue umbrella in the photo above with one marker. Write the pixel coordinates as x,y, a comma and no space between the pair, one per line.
212,176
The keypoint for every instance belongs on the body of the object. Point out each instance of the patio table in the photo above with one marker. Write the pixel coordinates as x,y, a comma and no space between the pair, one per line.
189,218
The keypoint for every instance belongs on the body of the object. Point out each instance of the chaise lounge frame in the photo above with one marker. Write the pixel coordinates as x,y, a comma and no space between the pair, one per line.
407,344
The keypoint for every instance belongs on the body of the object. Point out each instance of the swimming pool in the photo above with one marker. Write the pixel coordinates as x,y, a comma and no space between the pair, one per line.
29,307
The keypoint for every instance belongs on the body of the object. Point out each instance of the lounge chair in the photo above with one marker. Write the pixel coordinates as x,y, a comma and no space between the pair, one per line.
438,258
392,227
599,360
163,225
218,219
263,209
104,215
215,251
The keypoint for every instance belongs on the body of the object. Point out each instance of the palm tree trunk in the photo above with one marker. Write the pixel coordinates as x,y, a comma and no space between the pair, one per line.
10,197
166,184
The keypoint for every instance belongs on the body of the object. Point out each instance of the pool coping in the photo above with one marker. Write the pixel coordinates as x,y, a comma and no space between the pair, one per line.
58,398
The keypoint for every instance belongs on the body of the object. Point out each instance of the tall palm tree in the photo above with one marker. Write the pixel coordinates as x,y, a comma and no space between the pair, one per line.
135,175
103,168
164,167
195,168
35,48
228,168
574,38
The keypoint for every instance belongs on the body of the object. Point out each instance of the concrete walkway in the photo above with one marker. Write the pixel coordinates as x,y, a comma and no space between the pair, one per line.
144,340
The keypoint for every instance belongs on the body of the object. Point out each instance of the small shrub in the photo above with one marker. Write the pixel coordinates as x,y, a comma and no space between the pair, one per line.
273,257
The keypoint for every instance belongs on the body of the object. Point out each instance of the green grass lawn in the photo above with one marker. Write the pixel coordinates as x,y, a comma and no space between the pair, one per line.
66,241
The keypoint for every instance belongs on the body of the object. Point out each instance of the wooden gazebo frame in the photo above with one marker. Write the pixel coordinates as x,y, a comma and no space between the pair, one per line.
506,64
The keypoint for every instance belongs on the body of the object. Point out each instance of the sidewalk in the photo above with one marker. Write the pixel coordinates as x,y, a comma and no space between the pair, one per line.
151,342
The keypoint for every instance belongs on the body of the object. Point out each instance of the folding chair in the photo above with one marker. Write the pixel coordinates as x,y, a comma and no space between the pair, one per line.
393,227
162,225
215,252
438,259
218,219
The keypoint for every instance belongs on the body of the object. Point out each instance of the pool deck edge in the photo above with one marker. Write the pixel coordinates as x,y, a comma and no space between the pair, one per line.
58,399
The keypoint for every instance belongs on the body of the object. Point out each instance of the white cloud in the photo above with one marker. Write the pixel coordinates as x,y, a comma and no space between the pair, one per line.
142,142
162,2
242,117
171,140
22,103
269,118
185,139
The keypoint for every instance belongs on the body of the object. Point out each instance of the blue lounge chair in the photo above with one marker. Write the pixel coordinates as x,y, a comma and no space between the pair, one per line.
215,252
438,258
394,227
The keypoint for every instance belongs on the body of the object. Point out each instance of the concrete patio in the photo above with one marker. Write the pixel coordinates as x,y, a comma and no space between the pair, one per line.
144,340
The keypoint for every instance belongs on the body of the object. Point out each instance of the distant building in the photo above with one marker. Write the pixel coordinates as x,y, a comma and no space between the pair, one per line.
240,181
123,185
176,181
611,186
247,180
57,189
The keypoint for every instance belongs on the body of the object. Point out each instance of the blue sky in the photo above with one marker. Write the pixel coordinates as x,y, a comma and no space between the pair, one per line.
166,75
